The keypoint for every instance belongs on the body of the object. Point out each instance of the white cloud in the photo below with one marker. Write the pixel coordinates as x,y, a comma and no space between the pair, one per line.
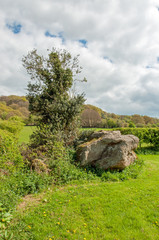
124,32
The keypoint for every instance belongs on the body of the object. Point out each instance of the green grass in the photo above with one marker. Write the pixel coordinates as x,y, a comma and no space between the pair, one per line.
127,210
92,210
25,134
28,130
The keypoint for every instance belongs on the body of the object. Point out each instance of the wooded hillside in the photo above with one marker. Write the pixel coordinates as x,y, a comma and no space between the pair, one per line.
92,116
11,106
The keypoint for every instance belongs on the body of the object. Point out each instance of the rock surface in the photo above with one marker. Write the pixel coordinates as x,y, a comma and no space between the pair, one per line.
108,150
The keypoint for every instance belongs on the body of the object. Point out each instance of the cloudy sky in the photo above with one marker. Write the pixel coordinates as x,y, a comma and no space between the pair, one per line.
118,43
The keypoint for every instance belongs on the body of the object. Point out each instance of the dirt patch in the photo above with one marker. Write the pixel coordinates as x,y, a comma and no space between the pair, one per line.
32,200
29,201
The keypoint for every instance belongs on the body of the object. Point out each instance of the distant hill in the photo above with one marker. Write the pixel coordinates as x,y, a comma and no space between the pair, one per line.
91,116
12,105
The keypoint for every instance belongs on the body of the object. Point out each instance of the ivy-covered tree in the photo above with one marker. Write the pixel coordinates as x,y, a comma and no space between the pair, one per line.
49,93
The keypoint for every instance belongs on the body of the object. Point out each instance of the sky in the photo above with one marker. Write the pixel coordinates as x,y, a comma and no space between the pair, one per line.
118,43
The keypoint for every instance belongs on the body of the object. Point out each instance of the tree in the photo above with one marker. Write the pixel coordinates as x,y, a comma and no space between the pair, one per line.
111,123
49,93
90,118
131,124
137,119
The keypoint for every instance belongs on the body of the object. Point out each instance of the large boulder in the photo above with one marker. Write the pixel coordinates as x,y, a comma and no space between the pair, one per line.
108,150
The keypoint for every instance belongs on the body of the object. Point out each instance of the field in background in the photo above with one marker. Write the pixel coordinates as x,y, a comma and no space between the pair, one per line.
28,130
25,134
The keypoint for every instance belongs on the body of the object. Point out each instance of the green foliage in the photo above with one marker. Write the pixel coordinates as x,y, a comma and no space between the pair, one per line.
5,216
13,106
5,219
95,210
111,120
61,163
14,125
130,172
131,125
147,149
145,135
49,98
10,157
148,135
25,134
13,99
65,171
21,183
28,182
152,136
6,112
5,235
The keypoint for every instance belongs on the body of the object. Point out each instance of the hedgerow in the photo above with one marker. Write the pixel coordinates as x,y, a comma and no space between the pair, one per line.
147,135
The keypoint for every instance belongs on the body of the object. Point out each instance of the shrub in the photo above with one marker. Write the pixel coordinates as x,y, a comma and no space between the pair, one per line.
10,157
21,183
63,167
13,126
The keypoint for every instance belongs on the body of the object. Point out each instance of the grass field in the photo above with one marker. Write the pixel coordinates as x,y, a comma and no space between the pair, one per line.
92,210
126,210
25,134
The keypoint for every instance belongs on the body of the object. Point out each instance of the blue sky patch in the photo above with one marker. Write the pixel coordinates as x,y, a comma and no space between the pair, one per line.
60,35
48,34
14,27
149,66
108,59
84,42
158,59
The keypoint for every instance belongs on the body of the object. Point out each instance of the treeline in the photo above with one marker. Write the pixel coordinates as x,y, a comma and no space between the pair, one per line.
95,117
92,116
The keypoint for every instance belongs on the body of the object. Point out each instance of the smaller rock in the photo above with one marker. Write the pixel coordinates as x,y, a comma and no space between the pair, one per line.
39,166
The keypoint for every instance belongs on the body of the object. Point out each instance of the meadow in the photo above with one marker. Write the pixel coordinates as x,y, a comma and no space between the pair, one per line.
25,134
115,206
94,210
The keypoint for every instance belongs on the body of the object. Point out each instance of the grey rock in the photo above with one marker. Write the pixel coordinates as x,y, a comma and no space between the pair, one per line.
108,150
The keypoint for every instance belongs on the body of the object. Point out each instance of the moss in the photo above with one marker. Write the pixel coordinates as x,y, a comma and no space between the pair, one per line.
87,143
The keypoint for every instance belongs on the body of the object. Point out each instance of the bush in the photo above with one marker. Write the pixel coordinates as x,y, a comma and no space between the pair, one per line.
21,183
62,165
10,157
13,126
